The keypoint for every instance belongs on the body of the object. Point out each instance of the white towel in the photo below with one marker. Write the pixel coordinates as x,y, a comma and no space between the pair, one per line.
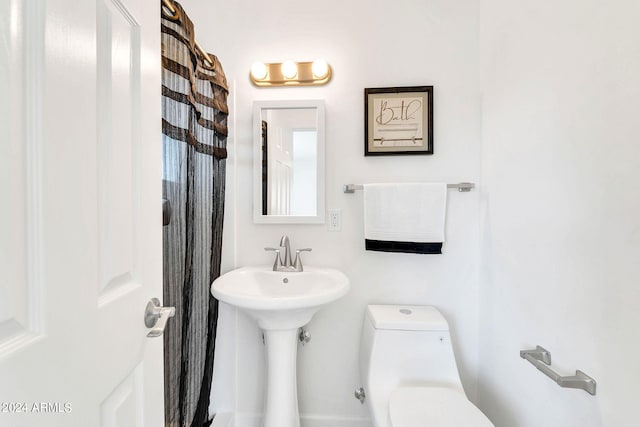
406,217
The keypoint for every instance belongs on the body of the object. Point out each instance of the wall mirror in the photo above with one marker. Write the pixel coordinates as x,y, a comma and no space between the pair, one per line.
288,162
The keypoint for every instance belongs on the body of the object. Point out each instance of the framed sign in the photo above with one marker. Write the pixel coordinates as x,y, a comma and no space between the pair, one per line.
398,120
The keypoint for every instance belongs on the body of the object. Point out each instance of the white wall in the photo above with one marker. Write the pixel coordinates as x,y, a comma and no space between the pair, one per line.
368,44
560,227
561,202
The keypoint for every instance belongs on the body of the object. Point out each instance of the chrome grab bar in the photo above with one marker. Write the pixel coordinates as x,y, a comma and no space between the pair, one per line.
541,359
463,187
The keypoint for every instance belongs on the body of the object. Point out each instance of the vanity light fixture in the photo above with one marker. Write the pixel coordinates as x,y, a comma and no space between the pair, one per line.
320,68
290,73
289,69
259,71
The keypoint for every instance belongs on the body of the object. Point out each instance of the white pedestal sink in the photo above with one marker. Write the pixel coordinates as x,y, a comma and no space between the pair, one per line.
281,302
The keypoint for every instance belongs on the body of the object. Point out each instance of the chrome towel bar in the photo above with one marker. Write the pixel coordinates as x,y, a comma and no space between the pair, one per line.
461,186
541,359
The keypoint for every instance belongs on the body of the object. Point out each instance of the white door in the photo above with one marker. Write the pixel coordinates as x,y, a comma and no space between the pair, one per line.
280,170
80,212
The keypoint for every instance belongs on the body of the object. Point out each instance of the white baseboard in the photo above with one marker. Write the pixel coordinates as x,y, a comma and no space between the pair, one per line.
223,420
255,420
332,421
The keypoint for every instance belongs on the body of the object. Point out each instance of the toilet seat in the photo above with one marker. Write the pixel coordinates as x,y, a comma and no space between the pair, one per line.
433,407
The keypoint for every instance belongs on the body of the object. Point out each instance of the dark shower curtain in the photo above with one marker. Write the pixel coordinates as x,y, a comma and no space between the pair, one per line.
194,129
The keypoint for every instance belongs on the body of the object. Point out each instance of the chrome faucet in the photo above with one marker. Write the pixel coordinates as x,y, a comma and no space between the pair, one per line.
284,243
285,264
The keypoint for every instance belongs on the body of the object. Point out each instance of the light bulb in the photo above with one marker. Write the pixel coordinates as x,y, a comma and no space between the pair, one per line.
320,68
289,69
259,70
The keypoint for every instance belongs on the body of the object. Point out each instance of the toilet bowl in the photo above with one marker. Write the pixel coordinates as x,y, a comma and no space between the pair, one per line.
409,371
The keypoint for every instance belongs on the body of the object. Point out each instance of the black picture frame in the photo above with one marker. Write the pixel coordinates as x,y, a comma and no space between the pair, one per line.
398,121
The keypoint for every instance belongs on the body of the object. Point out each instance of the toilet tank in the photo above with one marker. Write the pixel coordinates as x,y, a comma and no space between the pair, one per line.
405,345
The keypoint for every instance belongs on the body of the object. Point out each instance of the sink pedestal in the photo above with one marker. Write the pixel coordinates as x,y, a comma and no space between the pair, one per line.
280,302
281,409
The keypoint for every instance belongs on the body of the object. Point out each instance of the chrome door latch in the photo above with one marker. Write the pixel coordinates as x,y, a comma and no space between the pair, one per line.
156,316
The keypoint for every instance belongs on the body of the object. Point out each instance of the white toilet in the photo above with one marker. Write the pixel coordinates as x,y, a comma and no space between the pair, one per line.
409,370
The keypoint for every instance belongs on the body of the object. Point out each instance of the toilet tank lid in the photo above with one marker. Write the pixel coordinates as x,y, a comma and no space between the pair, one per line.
406,318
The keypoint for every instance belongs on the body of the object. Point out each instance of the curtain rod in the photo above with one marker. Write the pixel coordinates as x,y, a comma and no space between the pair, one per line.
462,187
169,5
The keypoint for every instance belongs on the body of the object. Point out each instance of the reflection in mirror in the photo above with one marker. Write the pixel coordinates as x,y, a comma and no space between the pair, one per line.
289,162
289,155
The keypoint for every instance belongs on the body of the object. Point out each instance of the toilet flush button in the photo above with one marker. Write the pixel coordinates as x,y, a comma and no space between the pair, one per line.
405,311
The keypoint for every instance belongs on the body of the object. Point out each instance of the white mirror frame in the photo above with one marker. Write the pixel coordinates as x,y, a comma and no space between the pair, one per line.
258,218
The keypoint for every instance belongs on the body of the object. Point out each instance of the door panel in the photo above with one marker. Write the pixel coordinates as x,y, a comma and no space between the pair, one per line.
281,167
80,236
21,272
121,407
118,75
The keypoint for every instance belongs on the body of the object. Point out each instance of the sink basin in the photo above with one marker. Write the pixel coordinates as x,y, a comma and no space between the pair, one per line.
276,299
280,302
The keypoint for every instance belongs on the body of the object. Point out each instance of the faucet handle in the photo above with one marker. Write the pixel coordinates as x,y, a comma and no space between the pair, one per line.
277,263
297,265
